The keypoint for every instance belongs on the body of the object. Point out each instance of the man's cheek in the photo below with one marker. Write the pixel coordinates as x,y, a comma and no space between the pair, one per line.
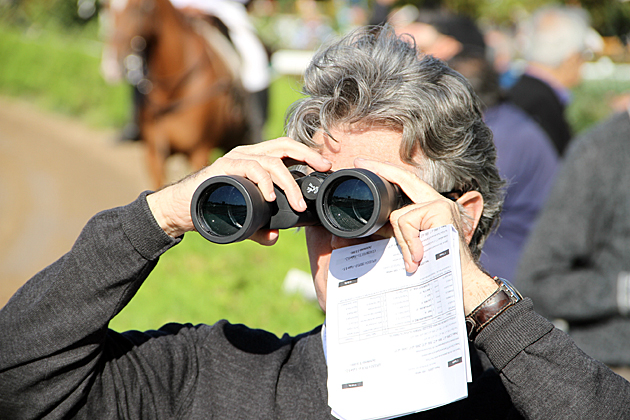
320,278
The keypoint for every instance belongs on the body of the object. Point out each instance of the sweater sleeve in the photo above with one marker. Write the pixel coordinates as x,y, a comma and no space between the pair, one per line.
55,345
546,374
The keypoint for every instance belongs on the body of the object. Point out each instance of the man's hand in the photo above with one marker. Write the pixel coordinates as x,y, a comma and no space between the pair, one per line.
432,210
262,163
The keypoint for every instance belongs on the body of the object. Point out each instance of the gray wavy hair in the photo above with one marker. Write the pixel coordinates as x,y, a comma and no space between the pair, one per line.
373,77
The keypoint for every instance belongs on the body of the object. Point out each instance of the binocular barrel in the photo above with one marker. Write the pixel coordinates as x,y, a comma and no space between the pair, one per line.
350,203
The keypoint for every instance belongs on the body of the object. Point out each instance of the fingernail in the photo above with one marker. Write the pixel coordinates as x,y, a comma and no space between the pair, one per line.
407,268
303,204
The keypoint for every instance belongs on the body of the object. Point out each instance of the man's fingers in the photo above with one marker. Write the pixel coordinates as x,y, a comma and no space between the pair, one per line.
266,171
408,238
265,165
411,184
288,149
409,221
265,237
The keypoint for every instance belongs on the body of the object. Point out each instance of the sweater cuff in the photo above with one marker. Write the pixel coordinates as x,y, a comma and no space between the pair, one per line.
143,231
512,332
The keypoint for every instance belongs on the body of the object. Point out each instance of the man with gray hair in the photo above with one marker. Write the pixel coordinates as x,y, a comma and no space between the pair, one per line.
554,41
372,103
525,155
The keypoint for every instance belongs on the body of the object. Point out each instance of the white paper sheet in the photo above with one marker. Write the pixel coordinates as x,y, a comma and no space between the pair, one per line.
396,342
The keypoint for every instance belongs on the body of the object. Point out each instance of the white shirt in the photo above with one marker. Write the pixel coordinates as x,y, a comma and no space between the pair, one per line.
254,63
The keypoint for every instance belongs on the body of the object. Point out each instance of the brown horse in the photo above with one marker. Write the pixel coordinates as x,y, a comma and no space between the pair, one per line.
186,69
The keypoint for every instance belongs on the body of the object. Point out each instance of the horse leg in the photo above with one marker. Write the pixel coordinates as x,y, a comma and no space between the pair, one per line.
157,153
156,167
199,158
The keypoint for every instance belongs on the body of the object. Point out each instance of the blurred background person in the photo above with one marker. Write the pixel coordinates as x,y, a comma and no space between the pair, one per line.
526,157
554,41
254,60
380,11
501,43
576,265
439,32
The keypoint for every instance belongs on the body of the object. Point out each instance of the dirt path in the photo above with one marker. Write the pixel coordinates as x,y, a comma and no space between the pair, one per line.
55,174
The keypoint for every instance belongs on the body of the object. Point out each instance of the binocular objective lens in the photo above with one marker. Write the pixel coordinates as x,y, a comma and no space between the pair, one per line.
350,204
224,210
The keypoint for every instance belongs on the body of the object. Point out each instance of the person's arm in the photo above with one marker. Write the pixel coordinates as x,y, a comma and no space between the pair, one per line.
54,329
546,374
57,357
570,265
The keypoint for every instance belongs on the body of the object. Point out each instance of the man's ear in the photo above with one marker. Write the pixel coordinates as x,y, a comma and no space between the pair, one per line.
472,202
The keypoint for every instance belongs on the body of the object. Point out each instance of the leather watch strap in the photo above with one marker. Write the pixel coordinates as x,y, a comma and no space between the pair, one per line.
504,297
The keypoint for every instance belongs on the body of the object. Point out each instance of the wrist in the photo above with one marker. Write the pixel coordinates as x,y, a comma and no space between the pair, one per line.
501,299
478,286
159,207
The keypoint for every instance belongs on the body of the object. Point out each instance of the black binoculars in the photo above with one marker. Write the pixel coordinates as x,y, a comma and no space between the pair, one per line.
350,203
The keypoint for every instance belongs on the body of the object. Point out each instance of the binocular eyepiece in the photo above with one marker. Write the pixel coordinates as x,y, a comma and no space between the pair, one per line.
350,203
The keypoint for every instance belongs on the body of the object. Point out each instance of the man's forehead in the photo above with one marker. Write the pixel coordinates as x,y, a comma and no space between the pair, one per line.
359,139
360,131
344,144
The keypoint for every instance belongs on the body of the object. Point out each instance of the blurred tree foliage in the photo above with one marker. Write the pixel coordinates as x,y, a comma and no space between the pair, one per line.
609,17
68,15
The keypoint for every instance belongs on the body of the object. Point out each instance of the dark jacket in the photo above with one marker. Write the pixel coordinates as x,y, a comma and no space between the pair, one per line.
576,264
540,101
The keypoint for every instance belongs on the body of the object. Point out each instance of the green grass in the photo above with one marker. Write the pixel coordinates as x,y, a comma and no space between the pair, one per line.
591,102
60,73
201,282
282,93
